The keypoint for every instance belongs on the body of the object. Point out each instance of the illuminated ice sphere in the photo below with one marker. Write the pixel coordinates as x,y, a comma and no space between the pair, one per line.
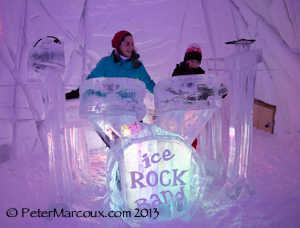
156,170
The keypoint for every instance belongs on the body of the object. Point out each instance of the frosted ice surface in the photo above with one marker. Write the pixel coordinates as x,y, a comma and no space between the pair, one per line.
185,103
187,93
186,106
47,58
242,69
48,53
5,136
111,96
76,139
114,106
210,147
147,167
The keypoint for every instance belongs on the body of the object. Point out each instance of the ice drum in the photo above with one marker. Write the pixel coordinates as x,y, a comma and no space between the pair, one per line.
152,170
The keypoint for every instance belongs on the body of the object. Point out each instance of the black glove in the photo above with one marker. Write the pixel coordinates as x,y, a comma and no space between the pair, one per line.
73,94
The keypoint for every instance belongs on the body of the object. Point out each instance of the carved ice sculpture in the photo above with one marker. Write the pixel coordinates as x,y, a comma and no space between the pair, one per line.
210,148
242,69
47,58
152,167
76,139
189,105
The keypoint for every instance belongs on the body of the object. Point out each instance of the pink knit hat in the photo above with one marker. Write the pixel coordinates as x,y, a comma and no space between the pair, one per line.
193,52
115,42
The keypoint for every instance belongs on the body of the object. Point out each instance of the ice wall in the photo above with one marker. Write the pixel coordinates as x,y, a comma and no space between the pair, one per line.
162,30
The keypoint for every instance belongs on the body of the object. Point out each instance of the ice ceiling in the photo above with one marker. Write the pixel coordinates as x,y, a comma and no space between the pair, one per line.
162,30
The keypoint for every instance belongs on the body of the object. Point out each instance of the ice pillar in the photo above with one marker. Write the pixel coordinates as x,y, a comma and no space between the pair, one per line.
47,59
210,147
242,69
76,140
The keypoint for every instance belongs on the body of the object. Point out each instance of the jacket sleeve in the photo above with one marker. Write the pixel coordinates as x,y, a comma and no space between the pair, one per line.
144,77
99,70
181,69
202,71
176,71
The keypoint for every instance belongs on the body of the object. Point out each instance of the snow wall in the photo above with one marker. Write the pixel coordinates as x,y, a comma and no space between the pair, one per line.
162,30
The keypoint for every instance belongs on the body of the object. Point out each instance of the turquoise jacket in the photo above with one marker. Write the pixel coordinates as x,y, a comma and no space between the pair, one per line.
109,66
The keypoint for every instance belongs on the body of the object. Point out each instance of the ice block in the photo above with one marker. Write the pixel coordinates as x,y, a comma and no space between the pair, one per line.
47,59
77,143
114,106
242,70
210,147
148,168
185,103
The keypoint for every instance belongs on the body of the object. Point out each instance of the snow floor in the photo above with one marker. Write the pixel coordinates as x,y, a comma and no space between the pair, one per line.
276,176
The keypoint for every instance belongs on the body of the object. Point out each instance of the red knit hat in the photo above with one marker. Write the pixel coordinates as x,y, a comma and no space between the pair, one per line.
115,42
193,52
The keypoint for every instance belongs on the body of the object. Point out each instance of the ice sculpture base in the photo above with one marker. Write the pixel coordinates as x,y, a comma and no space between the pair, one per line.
235,191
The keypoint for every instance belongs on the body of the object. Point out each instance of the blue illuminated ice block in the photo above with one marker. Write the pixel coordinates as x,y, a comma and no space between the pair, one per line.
150,171
46,58
242,70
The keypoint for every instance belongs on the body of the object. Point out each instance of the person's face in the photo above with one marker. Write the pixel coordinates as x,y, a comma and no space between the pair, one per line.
127,46
193,63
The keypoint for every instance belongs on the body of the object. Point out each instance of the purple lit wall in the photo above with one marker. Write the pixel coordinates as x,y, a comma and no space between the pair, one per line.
162,30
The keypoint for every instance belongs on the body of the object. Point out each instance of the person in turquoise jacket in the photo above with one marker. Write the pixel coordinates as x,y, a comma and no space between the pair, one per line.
123,62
